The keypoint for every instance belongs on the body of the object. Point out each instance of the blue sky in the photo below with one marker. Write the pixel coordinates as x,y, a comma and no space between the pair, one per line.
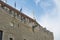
46,12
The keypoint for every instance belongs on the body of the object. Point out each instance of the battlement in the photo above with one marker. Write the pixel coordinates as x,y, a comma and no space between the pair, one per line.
21,16
14,12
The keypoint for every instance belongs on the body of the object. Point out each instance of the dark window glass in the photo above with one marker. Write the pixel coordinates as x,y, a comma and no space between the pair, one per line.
24,39
1,35
11,39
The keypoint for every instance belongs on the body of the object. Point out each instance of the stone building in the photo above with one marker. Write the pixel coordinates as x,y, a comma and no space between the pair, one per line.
14,25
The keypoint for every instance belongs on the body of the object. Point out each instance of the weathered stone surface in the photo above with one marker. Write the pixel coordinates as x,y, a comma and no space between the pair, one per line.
20,31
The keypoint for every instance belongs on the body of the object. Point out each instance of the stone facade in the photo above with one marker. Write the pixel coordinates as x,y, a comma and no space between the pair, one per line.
16,28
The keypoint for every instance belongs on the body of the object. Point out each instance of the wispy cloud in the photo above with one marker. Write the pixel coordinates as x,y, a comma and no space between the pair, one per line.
36,1
51,19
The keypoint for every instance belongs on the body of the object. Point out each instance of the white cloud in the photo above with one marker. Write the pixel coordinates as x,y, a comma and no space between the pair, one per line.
51,20
4,0
37,1
52,23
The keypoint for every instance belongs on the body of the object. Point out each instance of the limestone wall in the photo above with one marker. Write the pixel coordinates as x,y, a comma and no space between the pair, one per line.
19,30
